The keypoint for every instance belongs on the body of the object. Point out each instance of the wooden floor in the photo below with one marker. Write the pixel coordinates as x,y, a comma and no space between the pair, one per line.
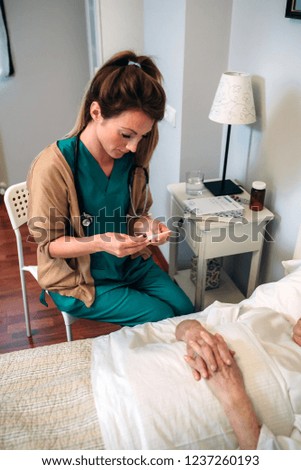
47,323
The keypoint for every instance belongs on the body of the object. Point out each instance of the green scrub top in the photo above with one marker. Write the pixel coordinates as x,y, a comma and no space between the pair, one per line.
107,200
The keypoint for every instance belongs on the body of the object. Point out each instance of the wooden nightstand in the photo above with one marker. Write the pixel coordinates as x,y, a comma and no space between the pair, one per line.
212,239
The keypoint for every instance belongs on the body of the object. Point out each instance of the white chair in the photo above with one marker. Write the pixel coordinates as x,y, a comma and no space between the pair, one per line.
16,202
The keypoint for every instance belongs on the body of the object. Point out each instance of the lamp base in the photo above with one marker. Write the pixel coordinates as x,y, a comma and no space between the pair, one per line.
222,188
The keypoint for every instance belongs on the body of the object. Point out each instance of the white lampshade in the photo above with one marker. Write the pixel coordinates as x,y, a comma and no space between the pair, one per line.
233,102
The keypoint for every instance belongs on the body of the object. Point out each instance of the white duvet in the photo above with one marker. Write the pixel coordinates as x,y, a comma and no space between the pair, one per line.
145,394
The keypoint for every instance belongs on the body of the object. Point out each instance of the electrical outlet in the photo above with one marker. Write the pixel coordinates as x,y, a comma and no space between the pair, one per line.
170,115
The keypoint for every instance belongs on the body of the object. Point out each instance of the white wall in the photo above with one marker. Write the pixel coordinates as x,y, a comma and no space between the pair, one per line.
164,29
207,35
121,26
267,45
40,102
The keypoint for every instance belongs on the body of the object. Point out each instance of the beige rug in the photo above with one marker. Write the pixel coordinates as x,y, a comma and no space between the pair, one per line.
46,399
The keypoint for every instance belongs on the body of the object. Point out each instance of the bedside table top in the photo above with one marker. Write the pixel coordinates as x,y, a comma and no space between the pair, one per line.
177,190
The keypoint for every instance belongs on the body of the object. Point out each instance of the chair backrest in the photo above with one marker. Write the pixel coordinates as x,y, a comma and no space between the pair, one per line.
16,202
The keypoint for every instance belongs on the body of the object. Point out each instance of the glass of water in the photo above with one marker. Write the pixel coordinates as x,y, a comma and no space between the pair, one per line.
194,182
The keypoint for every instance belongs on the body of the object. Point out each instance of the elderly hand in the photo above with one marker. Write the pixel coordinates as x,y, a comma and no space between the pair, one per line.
227,384
196,336
224,379
297,332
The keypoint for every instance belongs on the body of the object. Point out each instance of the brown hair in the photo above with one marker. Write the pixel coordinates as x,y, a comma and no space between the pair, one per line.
118,87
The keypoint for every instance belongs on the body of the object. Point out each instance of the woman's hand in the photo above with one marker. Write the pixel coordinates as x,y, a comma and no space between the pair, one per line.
155,231
297,332
117,244
120,244
160,234
196,336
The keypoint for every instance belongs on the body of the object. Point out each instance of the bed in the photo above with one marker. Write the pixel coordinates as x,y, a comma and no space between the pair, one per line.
131,389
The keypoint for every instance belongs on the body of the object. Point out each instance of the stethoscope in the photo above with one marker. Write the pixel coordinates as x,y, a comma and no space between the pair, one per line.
87,219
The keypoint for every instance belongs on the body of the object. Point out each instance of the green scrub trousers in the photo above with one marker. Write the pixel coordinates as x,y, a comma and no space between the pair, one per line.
128,291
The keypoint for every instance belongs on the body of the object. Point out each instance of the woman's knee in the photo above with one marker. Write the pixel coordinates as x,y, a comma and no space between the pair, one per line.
182,304
162,312
155,310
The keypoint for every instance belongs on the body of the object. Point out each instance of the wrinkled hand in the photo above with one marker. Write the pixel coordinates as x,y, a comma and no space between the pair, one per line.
225,378
189,330
297,332
210,346
226,383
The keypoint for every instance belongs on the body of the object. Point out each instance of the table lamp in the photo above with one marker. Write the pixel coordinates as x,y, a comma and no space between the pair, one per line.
233,104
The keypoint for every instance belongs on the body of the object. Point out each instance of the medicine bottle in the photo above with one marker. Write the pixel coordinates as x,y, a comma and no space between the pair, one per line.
257,195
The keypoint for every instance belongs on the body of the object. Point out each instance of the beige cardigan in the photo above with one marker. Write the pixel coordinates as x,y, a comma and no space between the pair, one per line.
53,210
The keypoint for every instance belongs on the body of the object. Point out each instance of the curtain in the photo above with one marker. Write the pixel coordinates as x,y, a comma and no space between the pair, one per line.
6,65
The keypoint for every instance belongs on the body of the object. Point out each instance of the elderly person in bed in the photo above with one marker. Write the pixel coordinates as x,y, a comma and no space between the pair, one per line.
210,358
252,398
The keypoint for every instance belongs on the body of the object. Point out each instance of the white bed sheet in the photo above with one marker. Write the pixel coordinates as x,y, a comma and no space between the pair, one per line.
146,397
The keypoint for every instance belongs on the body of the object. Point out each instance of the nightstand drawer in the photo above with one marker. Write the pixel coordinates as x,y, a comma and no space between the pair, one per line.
228,240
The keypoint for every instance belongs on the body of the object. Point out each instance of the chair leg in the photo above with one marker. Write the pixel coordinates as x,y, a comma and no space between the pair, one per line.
25,305
27,323
69,332
68,320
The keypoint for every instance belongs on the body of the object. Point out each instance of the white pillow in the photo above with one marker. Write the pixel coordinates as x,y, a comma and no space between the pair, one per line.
291,265
283,296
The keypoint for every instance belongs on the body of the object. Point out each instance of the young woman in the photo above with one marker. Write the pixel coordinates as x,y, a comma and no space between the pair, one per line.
89,203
